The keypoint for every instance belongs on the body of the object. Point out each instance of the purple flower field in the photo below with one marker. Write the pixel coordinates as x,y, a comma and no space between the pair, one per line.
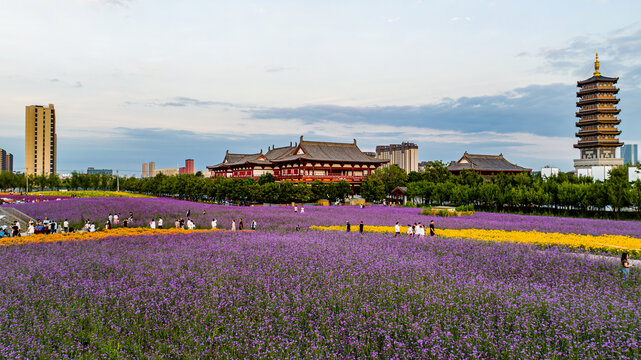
311,295
283,217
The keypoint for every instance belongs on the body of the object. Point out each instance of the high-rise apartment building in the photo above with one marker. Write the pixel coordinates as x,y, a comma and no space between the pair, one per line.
8,163
3,159
145,171
405,155
629,154
40,140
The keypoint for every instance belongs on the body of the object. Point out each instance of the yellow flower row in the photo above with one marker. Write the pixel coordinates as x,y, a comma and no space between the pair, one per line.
85,235
607,242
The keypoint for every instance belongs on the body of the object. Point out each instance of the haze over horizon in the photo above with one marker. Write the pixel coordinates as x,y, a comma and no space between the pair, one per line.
135,81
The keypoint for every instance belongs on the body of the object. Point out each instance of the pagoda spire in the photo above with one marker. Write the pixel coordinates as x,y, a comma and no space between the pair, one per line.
596,65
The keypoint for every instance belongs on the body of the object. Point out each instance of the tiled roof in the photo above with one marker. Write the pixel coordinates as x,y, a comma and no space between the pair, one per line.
309,150
484,162
330,151
597,78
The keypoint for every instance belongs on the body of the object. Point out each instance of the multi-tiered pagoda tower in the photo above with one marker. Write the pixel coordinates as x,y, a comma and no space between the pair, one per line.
597,123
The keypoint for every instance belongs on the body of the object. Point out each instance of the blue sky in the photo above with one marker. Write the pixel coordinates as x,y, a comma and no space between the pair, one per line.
140,80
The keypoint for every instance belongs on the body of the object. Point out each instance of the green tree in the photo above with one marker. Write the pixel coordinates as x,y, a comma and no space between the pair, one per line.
373,189
266,178
618,189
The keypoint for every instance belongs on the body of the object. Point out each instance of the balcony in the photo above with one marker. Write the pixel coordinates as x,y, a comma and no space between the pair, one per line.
324,178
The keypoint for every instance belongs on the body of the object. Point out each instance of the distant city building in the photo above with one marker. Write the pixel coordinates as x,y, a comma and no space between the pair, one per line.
40,140
424,165
548,172
188,168
8,162
405,155
149,169
307,161
92,171
486,165
167,172
629,154
145,171
370,153
3,159
597,125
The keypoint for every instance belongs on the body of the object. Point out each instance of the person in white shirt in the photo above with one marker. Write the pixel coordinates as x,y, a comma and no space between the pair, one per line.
116,219
160,223
409,230
302,210
31,230
152,224
65,226
214,223
397,229
92,228
233,225
111,218
296,208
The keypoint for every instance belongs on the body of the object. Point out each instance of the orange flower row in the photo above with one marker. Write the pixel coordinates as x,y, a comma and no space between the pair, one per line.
85,235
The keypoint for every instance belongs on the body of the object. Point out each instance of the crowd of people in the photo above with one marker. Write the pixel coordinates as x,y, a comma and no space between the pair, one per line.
417,229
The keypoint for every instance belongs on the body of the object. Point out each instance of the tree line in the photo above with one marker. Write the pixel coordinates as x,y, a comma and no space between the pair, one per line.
563,194
193,187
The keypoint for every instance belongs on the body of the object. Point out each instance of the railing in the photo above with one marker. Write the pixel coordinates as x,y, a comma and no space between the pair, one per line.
605,87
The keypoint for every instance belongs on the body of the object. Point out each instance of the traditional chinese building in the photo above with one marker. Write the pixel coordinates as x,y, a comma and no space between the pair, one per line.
597,123
306,161
486,165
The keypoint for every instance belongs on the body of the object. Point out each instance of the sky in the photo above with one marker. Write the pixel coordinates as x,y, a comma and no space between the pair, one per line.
135,81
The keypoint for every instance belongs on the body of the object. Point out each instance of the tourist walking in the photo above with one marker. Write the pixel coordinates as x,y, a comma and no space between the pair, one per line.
124,223
15,229
625,266
214,223
360,228
31,229
348,227
116,219
152,224
253,225
295,208
110,217
240,224
233,225
302,210
188,213
160,222
410,231
432,230
65,226
397,229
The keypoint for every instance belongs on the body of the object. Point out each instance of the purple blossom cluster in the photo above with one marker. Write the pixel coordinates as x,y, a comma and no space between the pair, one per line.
311,295
284,218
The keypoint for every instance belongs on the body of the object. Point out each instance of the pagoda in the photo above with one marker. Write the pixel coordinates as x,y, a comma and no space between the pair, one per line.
597,123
